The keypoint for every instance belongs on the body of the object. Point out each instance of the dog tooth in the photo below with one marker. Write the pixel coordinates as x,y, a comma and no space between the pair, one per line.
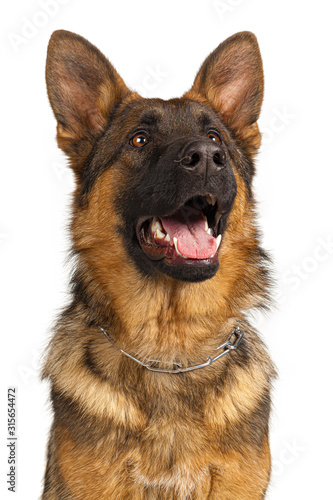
155,224
206,225
167,238
158,234
175,244
218,240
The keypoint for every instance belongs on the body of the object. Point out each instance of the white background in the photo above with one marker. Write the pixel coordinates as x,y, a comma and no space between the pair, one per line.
293,186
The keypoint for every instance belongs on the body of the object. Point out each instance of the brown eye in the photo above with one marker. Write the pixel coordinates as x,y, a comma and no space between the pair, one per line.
213,136
139,140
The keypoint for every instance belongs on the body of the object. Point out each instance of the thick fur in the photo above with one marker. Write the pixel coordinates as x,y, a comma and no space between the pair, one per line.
121,431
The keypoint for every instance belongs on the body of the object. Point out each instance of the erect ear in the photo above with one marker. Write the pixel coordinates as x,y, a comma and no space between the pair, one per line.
232,80
83,89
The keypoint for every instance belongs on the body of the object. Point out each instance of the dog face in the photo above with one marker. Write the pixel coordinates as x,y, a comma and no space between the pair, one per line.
160,184
180,187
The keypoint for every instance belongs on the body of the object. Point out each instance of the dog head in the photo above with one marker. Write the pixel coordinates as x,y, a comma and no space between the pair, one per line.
163,187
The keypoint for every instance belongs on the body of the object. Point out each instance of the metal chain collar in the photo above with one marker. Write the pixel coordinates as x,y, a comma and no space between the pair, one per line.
152,365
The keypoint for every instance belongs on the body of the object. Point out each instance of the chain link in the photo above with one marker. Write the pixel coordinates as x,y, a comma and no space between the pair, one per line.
150,365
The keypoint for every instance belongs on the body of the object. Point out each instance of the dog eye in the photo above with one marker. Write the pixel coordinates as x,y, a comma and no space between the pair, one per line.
213,136
139,140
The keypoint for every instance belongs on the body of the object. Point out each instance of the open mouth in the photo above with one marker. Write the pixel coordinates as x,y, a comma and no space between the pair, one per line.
189,236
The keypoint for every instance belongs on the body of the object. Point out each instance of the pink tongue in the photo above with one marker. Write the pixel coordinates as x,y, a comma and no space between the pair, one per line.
188,226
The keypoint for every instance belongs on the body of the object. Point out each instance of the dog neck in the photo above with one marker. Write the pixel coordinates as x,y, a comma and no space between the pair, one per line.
157,316
232,343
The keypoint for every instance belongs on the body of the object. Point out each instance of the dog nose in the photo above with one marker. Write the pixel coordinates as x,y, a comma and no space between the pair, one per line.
205,158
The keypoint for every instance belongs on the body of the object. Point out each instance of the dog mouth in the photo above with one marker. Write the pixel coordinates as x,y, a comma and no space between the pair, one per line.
191,235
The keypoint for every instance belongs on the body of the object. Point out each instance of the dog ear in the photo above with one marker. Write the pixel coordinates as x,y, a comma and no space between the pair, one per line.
83,89
232,80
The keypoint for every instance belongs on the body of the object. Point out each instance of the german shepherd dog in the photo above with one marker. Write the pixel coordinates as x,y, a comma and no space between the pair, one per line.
160,386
